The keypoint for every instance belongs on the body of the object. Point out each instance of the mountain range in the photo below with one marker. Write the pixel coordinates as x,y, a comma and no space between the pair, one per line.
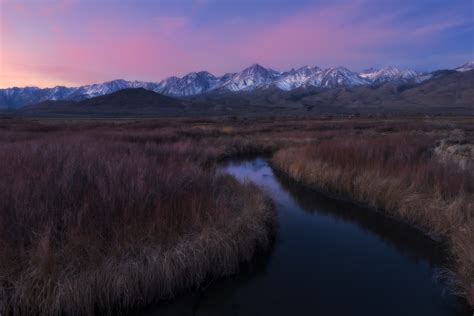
201,83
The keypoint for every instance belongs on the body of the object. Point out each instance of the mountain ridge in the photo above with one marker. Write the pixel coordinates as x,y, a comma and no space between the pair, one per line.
202,82
446,93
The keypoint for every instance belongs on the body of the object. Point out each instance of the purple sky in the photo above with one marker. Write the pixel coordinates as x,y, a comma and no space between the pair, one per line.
74,42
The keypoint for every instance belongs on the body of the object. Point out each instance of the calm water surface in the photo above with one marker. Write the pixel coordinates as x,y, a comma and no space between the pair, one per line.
330,258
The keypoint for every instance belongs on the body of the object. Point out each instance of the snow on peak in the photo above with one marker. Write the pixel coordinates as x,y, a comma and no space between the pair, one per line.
466,67
191,84
340,76
296,78
252,77
389,73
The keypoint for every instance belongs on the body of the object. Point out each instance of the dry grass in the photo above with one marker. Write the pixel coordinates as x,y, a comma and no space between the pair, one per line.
89,225
104,215
399,174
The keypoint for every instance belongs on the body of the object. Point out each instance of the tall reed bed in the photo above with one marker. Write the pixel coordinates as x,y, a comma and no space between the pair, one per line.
89,225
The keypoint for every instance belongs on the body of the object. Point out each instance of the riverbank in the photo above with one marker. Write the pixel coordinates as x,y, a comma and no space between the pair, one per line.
399,174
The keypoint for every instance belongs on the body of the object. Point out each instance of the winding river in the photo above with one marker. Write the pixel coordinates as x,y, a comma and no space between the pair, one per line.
330,258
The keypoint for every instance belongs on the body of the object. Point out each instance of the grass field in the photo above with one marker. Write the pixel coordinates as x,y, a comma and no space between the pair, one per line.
90,222
105,215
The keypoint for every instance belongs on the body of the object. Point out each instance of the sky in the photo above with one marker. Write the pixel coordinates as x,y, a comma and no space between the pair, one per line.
74,42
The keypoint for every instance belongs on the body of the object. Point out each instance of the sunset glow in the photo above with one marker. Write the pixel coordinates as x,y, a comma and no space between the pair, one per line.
73,42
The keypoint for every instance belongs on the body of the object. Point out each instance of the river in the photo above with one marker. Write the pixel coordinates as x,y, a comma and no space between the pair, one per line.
330,257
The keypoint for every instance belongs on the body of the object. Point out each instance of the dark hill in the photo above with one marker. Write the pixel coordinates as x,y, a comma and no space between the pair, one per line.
132,102
132,99
451,89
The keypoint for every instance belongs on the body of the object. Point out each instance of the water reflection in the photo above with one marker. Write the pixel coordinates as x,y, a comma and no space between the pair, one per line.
330,258
407,240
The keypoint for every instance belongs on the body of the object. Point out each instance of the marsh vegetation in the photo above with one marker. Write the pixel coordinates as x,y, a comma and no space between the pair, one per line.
107,215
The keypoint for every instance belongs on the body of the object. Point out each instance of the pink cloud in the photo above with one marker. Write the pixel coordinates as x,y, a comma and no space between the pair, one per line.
93,48
120,52
322,35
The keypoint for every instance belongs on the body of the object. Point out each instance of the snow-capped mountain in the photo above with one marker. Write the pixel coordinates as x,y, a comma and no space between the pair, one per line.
297,78
195,83
317,77
389,73
250,78
95,90
466,67
334,77
15,97
340,76
192,84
